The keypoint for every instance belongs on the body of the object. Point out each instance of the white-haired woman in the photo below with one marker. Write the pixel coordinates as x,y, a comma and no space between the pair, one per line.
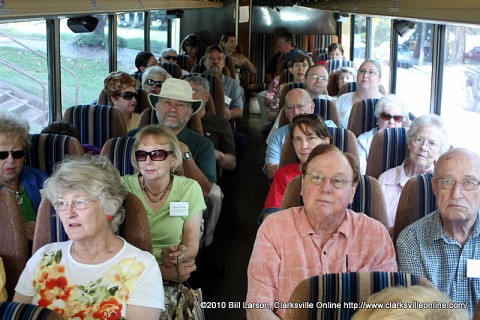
95,274
153,79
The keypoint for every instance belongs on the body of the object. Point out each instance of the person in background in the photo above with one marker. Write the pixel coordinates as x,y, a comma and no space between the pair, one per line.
427,139
65,128
285,43
120,86
390,112
369,76
306,132
443,245
169,55
190,46
345,75
428,296
323,236
228,42
24,182
153,79
96,272
143,60
335,52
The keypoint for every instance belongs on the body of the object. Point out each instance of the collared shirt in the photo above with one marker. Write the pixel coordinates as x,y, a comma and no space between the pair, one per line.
392,182
424,249
234,91
364,142
287,251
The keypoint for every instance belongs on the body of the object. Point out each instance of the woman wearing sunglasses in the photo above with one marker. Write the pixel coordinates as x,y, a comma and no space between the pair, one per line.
174,203
24,182
121,88
169,55
153,79
390,112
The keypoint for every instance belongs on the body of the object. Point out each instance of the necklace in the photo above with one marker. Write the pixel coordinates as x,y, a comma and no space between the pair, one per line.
17,195
151,195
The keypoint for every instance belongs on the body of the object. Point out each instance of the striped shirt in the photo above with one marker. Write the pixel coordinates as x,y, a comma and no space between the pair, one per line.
424,249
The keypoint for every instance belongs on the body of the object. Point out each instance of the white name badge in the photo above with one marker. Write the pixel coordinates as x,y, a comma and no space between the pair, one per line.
227,100
178,209
473,268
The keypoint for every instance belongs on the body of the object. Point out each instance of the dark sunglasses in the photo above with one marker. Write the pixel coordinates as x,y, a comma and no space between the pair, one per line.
386,117
15,154
170,58
155,155
151,82
128,95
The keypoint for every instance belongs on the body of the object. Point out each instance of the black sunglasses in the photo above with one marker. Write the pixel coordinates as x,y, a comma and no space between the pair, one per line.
15,154
386,117
170,58
151,82
155,155
128,95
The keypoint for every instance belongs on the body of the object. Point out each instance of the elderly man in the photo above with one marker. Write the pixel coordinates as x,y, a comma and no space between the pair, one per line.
316,81
444,245
323,236
297,101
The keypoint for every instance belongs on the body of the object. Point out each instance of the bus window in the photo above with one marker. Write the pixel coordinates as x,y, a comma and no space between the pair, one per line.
346,25
414,69
159,32
24,70
381,47
84,61
359,39
461,86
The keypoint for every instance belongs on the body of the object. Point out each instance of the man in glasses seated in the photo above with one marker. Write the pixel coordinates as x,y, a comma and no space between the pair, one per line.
169,55
443,245
22,181
153,79
390,112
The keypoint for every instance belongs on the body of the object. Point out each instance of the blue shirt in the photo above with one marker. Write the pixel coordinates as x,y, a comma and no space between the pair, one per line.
424,249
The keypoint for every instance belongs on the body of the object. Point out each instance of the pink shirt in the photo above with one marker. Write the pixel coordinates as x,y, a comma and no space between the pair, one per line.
287,251
280,181
392,182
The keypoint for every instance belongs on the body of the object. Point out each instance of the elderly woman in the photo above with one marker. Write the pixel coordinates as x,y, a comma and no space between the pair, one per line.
369,76
174,203
120,86
153,79
345,75
24,182
96,274
390,112
427,139
323,236
307,132
298,67
170,55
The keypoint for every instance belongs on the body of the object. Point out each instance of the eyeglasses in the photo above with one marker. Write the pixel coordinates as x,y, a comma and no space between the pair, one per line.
75,204
420,141
466,184
174,58
298,107
155,155
18,154
303,65
128,95
370,73
151,82
335,181
317,77
386,117
198,90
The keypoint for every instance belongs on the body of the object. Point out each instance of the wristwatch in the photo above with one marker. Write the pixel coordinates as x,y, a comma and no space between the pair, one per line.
186,156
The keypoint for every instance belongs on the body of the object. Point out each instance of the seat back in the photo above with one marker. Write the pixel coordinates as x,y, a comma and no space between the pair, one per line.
118,150
216,91
185,62
362,118
23,311
388,150
173,69
368,198
142,100
260,56
416,201
343,288
46,149
147,117
321,41
135,229
347,87
327,109
14,249
332,65
96,123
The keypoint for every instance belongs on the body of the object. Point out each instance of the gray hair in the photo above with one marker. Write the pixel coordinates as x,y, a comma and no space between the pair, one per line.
305,95
350,70
430,119
199,81
158,132
154,72
387,101
12,126
377,65
94,175
164,51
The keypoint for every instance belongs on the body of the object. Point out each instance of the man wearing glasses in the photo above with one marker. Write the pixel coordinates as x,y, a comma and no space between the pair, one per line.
443,246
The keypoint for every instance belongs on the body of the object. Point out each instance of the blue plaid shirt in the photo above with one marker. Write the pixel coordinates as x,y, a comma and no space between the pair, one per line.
423,249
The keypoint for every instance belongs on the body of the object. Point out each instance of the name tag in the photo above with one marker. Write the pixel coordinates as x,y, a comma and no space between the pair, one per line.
227,100
178,209
473,268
